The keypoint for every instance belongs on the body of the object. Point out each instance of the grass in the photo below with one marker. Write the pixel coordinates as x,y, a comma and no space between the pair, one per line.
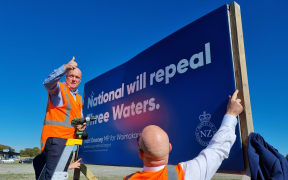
102,177
17,176
18,171
32,177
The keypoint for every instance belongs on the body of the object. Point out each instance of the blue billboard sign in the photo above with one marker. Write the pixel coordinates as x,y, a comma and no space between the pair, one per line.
181,84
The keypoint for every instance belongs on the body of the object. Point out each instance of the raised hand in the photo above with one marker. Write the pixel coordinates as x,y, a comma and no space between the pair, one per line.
234,106
71,64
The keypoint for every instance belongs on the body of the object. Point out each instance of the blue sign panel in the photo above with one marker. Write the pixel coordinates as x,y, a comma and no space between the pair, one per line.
181,84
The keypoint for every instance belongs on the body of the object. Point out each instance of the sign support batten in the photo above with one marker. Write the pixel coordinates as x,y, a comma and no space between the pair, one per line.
241,77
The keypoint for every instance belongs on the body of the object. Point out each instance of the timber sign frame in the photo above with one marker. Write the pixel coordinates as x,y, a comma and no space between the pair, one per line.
239,58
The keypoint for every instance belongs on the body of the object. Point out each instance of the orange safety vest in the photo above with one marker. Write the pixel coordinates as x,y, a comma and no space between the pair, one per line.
163,174
58,119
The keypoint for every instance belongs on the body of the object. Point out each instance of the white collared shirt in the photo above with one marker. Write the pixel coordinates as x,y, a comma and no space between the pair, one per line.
158,168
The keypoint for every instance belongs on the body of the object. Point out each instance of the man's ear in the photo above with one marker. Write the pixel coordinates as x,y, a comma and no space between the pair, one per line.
140,154
170,147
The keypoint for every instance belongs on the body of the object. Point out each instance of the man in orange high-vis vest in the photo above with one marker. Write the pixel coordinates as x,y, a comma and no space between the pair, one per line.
64,104
154,149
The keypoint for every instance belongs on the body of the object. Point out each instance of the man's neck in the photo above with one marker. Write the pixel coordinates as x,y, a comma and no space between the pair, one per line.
149,162
154,168
74,91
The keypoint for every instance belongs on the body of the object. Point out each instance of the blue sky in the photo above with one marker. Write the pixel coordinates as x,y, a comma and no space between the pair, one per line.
39,36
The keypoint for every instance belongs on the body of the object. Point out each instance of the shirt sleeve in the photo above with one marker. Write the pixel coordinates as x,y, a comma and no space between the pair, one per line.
52,86
205,165
50,82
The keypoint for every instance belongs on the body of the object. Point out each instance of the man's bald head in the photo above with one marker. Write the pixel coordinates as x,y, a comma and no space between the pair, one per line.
154,143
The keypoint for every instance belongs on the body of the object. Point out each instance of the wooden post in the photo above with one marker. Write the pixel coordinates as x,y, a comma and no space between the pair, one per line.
83,168
245,118
76,175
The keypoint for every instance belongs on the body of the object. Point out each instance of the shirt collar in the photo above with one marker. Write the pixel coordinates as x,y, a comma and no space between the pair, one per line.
75,92
157,168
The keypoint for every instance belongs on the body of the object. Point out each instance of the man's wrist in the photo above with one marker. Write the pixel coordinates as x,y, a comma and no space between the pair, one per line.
231,113
65,68
229,120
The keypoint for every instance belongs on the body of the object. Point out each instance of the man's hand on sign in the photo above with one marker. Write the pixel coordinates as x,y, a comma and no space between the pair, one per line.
71,64
75,164
234,106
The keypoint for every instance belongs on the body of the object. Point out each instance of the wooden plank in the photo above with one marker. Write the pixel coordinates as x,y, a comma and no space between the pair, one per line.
87,172
240,70
76,175
83,168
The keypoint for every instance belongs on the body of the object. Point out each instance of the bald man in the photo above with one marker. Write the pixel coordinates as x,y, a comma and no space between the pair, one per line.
64,104
154,149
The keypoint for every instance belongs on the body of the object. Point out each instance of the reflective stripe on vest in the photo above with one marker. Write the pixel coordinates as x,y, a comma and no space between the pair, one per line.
58,123
68,107
171,172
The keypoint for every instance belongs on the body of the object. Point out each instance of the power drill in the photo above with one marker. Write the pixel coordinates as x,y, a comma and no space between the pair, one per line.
77,121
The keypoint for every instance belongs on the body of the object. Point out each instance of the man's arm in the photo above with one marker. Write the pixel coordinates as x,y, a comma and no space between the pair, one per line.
205,165
51,82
